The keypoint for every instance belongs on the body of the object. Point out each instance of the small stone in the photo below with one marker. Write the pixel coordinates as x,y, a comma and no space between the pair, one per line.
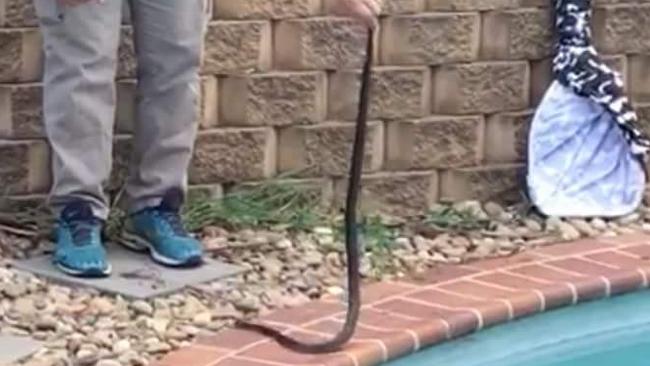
553,223
142,307
404,243
533,225
202,319
160,325
503,231
568,232
454,252
176,334
158,347
334,290
505,244
599,224
420,243
121,346
102,305
439,258
493,209
283,244
108,363
628,219
473,207
460,241
248,304
46,323
313,258
190,330
323,231
333,260
14,290
583,227
273,266
87,356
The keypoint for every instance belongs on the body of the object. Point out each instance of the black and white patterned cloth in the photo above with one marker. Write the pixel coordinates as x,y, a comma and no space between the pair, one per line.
578,66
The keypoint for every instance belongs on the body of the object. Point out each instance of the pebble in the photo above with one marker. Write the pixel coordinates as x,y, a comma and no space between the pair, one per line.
202,319
599,224
142,307
629,219
568,232
494,210
108,363
102,305
46,323
583,227
533,225
248,304
14,290
121,346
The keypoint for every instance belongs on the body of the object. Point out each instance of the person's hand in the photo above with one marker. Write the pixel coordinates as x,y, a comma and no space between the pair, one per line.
365,11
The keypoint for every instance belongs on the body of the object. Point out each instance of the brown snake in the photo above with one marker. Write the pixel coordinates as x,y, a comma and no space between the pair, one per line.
351,235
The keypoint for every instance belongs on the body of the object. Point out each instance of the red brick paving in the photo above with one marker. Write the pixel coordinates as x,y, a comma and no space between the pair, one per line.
447,302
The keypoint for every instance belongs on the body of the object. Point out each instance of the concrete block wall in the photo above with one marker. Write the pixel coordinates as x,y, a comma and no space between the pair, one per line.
455,85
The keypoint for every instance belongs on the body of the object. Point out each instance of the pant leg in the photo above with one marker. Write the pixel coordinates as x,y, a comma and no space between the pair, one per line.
168,41
80,45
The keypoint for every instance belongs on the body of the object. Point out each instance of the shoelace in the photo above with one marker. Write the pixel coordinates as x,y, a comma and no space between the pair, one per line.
82,232
174,221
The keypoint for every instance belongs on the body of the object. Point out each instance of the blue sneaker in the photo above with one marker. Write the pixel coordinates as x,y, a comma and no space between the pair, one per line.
159,230
79,250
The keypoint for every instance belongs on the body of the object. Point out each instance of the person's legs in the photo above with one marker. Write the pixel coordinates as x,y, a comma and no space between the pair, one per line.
168,40
80,45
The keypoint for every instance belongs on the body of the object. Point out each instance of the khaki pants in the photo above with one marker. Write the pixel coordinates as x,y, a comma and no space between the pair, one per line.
80,45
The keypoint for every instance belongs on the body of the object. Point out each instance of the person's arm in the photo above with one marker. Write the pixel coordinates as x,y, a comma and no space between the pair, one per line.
365,11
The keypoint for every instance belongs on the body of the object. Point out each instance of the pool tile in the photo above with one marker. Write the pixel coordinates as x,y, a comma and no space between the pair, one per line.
641,250
622,282
581,266
443,273
573,248
305,313
525,304
500,263
192,355
619,260
231,339
511,281
628,239
493,312
556,296
399,317
380,290
539,271
476,289
396,342
435,296
233,361
590,289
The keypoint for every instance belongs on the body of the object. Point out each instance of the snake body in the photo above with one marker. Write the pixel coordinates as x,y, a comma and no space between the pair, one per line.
351,235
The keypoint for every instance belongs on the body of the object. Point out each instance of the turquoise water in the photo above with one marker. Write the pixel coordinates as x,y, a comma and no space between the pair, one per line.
612,332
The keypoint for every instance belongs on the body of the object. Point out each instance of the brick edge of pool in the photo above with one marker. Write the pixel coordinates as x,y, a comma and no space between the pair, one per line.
399,318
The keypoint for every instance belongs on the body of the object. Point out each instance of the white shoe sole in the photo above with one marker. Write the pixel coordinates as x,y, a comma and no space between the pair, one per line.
137,243
85,274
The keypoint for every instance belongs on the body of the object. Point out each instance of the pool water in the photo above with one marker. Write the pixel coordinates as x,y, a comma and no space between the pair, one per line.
611,332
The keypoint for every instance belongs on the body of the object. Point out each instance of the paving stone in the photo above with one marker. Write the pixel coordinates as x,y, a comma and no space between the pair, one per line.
134,275
14,349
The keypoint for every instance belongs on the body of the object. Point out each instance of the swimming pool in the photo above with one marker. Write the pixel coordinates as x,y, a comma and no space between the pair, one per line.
609,332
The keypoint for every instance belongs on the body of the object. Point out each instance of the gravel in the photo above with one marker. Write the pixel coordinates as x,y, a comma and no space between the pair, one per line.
83,327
